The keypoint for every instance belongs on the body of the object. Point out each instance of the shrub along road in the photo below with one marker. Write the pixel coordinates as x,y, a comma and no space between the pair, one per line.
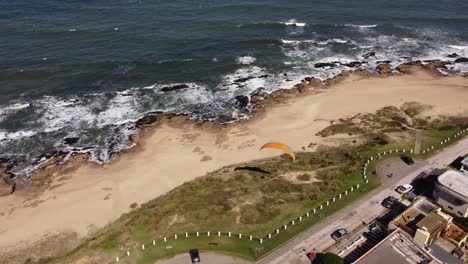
365,209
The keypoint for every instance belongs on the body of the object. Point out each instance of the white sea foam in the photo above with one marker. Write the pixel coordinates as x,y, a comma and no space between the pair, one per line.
361,26
6,136
246,60
458,47
293,22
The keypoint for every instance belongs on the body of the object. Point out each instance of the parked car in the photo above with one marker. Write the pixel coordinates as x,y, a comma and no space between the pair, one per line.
194,256
339,234
408,160
406,188
389,202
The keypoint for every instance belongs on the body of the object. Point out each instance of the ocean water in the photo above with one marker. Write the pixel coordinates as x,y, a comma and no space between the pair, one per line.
90,69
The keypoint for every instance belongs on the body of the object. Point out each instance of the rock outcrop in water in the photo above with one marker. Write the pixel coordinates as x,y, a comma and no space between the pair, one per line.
460,60
174,88
384,68
324,64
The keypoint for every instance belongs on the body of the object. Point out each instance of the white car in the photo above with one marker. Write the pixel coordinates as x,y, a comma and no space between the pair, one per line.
405,188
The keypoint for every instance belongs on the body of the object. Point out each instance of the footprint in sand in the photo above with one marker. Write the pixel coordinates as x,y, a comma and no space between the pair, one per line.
206,158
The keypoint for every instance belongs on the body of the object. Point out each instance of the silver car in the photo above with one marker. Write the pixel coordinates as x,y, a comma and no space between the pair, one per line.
339,234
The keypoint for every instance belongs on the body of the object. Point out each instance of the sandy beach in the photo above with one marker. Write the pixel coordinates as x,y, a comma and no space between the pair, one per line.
84,197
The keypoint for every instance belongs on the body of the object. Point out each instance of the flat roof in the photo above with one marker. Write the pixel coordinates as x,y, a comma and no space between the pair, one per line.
424,206
398,247
431,222
455,181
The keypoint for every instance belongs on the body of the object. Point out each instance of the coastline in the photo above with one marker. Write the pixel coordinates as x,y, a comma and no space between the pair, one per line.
77,191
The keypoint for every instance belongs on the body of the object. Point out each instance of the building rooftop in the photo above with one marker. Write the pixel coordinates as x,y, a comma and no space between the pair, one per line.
398,247
455,181
424,206
432,222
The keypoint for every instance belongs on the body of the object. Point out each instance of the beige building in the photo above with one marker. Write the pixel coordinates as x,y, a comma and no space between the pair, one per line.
451,192
427,224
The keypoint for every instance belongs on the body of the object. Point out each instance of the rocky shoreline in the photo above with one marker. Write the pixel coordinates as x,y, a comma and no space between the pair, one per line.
255,103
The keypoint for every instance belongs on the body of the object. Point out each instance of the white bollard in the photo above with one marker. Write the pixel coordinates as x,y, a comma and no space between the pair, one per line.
261,241
229,234
285,226
240,235
396,150
198,234
154,243
219,233
277,231
404,150
175,236
432,147
328,202
165,239
441,142
315,210
390,152
128,253
346,192
208,233
385,152
352,188
339,196
334,199
321,207
117,259
371,158
357,186
143,247
186,234
424,151
367,181
269,235
250,238
292,222
411,150
307,214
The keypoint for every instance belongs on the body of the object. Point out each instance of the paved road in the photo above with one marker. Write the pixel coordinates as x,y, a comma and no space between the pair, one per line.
351,217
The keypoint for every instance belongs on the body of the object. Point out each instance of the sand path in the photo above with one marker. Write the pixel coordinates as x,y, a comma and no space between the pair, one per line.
171,155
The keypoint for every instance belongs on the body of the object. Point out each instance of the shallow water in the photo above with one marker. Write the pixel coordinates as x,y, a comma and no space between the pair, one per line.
88,69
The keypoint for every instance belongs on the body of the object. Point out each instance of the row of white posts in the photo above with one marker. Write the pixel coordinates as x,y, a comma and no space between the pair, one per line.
314,211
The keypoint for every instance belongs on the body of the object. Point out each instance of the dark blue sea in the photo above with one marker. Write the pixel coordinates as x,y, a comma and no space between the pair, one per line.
89,69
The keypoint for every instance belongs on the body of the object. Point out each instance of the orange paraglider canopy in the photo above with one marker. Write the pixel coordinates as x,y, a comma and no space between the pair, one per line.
281,147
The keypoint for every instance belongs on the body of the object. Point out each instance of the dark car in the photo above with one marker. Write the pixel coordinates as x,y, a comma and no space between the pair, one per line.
408,160
194,256
339,234
389,202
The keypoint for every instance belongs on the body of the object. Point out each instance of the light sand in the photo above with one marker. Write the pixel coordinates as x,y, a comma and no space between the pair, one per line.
171,155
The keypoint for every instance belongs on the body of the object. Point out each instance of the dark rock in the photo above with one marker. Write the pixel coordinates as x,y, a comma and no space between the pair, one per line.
354,64
242,101
384,69
453,55
285,74
71,140
460,60
241,80
288,80
324,64
174,88
384,62
369,54
258,91
264,76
